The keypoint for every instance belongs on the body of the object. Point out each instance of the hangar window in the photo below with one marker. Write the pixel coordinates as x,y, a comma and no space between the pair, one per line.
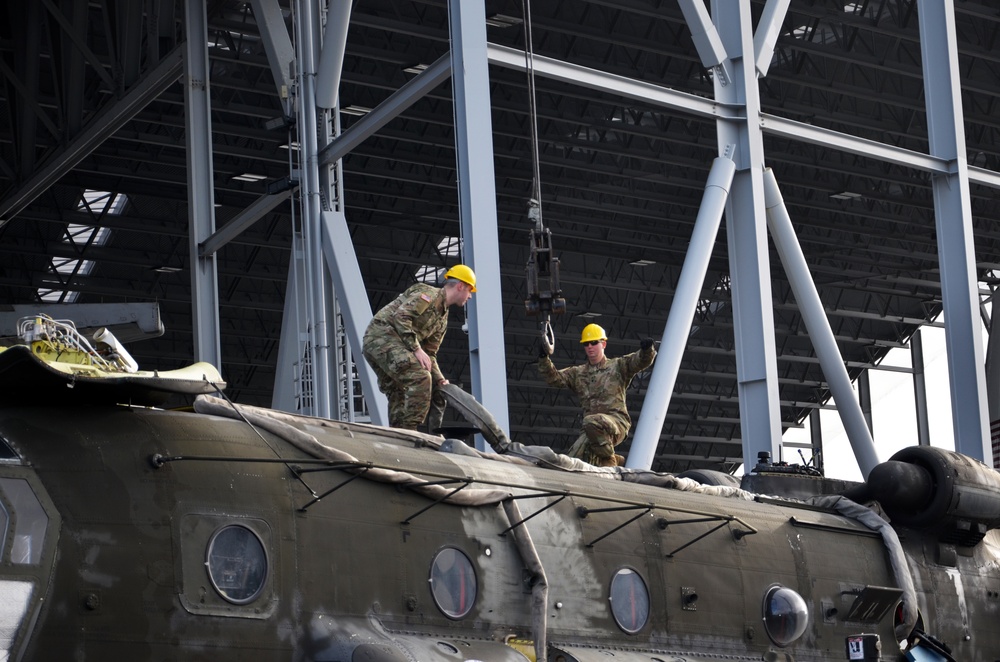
453,583
237,564
629,600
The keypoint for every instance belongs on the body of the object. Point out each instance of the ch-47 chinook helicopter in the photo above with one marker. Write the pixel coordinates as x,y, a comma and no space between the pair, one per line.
238,533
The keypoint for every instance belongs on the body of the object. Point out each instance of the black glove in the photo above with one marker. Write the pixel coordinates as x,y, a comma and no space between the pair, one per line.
646,343
542,352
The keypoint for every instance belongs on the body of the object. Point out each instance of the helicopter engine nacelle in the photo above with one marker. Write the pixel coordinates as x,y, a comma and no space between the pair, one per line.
939,490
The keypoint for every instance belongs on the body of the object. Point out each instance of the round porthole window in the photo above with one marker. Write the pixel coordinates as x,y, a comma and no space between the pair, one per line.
785,615
629,600
453,583
237,564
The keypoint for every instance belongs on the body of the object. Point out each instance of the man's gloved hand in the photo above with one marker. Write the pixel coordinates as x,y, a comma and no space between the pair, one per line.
543,352
646,343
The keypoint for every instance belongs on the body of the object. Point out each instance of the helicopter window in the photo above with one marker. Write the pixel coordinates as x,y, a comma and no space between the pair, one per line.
7,454
785,615
237,564
15,597
629,600
4,524
453,583
30,521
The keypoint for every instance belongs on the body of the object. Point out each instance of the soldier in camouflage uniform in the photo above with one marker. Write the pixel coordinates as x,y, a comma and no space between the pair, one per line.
600,385
401,344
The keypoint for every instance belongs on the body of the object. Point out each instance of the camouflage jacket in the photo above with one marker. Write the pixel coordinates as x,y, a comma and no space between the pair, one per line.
600,387
416,318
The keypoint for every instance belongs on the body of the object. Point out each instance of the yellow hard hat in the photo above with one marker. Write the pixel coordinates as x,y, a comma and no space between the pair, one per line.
592,332
462,273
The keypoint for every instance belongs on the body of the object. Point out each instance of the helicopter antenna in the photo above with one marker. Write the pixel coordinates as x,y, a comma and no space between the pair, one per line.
544,295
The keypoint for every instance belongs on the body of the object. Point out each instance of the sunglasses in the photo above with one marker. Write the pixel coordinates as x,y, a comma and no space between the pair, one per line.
593,342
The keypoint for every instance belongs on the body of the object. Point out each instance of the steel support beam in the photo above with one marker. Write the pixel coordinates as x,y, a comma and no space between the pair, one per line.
477,205
766,35
314,281
813,315
816,439
749,263
201,193
773,125
703,33
919,388
622,86
342,261
385,112
277,45
953,222
682,310
110,120
239,224
865,400
993,377
331,57
287,392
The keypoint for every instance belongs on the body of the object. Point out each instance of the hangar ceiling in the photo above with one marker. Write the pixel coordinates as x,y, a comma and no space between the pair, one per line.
92,102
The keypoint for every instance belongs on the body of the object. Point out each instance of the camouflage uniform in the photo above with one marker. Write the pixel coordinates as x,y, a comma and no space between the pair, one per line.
416,318
601,390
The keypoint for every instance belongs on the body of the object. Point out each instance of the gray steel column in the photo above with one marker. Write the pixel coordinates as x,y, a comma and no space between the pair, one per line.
953,222
816,439
287,392
342,261
201,195
477,204
865,399
756,358
993,376
818,326
331,59
766,36
277,45
919,388
306,45
682,309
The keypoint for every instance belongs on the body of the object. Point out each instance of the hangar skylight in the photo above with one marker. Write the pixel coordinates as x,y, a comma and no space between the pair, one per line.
78,237
447,247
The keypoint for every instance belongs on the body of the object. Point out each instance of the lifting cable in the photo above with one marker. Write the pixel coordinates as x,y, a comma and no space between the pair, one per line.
544,295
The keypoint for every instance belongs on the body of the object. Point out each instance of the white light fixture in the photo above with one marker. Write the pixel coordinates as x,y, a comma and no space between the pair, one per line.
845,195
249,177
642,263
355,110
589,315
415,69
503,21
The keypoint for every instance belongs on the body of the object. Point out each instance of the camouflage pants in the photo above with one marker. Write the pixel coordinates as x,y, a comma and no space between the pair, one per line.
596,444
404,381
